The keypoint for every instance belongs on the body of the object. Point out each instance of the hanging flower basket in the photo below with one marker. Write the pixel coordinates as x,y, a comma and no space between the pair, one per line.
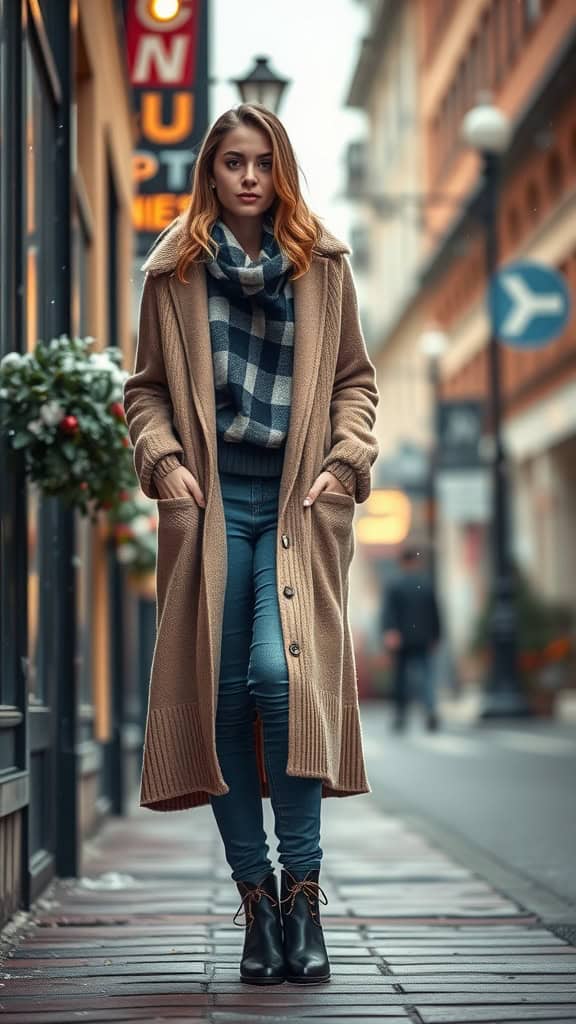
61,409
545,641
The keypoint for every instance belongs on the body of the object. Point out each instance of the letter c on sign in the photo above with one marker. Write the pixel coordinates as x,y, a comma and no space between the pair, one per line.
145,18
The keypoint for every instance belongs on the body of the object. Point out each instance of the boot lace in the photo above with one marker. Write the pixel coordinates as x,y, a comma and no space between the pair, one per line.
311,890
246,904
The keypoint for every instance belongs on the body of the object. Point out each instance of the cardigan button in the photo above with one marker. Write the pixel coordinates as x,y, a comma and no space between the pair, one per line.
289,591
294,649
285,540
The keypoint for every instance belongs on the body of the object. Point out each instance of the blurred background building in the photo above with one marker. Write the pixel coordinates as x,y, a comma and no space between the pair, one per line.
417,187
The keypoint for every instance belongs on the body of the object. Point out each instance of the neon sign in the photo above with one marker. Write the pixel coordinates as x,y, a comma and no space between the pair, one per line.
167,60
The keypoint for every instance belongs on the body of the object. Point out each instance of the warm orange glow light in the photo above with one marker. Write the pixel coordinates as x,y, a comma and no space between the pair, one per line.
388,520
164,10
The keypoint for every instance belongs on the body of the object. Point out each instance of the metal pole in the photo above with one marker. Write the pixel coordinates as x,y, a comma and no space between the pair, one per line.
503,696
434,381
68,838
115,780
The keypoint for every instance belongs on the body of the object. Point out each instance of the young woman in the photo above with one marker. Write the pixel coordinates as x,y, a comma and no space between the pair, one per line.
251,410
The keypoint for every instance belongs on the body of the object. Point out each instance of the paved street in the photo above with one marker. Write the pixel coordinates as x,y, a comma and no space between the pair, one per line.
507,788
414,933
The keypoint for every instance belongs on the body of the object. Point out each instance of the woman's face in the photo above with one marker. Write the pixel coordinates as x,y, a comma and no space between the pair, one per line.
243,169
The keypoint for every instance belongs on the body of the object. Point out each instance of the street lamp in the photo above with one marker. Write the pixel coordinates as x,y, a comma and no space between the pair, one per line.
488,130
262,85
433,342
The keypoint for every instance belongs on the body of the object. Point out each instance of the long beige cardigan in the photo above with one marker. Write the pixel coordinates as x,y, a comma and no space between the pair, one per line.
170,407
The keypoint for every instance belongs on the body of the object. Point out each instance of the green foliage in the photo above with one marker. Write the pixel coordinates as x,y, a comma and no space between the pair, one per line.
61,412
544,637
540,621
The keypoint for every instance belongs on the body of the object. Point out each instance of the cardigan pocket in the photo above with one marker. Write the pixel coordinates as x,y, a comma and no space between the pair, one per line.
333,543
178,549
333,526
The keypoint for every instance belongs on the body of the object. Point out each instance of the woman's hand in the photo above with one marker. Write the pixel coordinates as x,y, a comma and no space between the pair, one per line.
326,481
180,483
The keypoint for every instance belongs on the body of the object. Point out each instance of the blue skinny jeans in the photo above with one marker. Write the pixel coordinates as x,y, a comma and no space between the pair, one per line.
254,677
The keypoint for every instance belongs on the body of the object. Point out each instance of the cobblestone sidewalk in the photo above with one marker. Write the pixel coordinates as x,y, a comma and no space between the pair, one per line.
147,935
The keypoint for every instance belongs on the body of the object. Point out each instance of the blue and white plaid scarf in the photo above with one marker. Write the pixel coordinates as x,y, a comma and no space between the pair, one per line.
251,313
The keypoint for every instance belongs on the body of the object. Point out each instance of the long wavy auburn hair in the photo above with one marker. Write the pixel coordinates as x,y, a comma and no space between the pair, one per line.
296,228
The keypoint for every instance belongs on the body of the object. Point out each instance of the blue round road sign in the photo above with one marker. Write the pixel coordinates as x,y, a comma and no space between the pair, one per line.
529,304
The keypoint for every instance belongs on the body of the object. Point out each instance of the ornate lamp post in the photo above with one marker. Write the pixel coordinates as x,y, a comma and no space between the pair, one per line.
433,343
488,130
262,85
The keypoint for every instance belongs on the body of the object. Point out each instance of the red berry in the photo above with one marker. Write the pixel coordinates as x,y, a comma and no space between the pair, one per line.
69,424
117,409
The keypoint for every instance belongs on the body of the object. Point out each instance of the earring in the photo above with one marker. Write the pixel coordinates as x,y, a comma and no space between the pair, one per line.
213,185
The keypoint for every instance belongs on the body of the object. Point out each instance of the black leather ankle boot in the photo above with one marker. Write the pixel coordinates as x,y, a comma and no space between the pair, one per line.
304,950
263,955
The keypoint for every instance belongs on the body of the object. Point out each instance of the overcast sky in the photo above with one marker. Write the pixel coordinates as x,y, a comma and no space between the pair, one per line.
315,44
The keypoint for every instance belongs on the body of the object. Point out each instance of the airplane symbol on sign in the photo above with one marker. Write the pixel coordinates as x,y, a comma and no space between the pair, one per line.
529,304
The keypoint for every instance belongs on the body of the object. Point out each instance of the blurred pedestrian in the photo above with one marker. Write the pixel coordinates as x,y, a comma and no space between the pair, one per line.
251,410
411,625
